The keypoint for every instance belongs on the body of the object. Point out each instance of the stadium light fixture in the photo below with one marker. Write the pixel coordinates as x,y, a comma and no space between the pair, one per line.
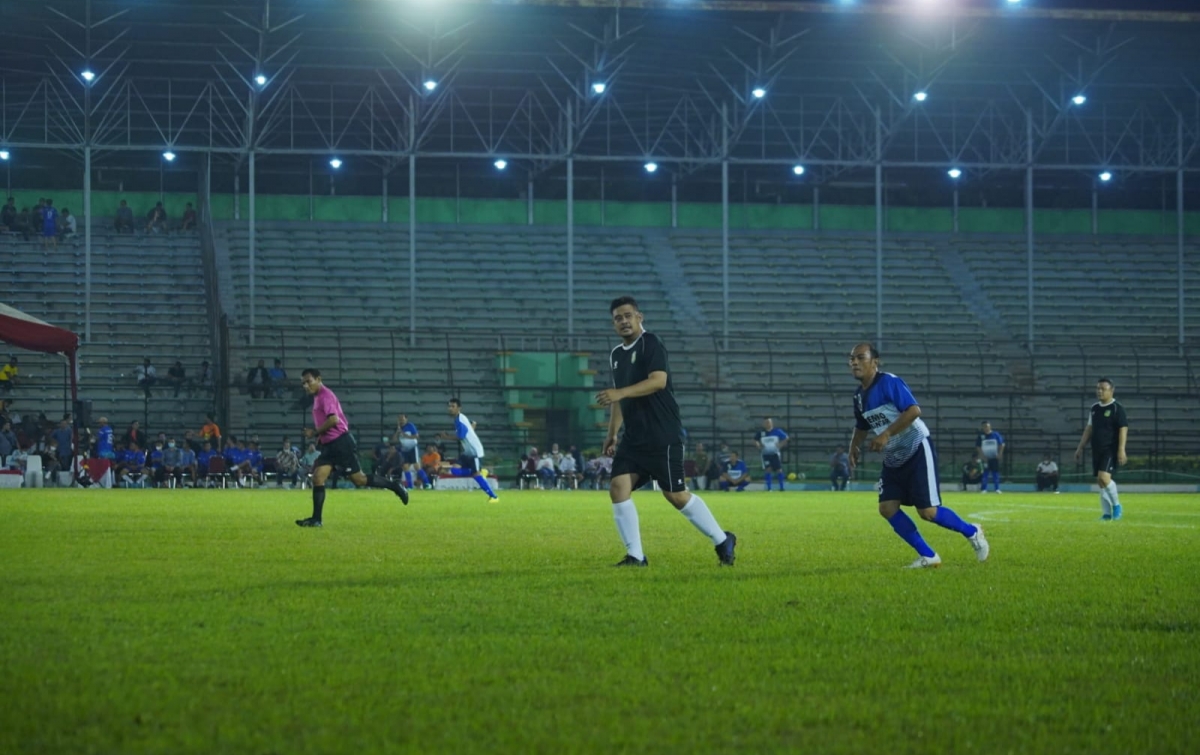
798,170
599,87
1014,2
650,167
430,85
758,93
335,163
954,173
4,155
1079,99
88,75
501,164
1106,176
921,96
169,156
260,80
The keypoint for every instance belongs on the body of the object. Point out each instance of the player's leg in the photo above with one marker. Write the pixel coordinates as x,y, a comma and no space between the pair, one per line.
996,474
924,492
767,472
1108,510
626,476
320,473
893,488
669,475
468,466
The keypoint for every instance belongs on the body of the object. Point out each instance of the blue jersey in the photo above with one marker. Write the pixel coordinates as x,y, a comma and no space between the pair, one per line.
877,407
989,444
234,456
771,441
156,458
256,460
104,440
203,457
408,437
737,471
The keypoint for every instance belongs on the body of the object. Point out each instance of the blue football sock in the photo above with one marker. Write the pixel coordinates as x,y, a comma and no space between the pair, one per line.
724,485
742,486
768,475
462,472
951,521
483,485
781,478
408,479
905,528
424,477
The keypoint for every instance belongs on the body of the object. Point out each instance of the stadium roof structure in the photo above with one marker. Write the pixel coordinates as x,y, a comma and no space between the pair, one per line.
1072,87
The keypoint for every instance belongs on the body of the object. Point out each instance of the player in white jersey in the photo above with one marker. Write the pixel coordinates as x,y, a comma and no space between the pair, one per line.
885,408
470,460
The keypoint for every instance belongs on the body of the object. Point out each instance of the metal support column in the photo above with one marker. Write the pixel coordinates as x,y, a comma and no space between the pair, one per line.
1180,228
412,250
724,228
570,219
816,222
87,244
253,232
529,201
878,229
383,202
1029,221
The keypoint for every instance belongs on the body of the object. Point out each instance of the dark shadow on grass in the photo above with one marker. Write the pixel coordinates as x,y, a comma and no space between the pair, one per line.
1167,627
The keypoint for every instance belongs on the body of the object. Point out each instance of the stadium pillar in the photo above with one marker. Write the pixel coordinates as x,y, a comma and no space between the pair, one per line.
724,227
1029,221
955,226
878,229
412,244
237,196
674,202
1179,225
383,196
253,231
87,244
1095,210
529,201
571,217
816,208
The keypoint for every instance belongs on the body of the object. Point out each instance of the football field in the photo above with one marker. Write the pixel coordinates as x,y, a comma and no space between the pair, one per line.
206,621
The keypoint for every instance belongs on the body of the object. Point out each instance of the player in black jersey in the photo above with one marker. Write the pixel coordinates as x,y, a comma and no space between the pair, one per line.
1108,429
651,448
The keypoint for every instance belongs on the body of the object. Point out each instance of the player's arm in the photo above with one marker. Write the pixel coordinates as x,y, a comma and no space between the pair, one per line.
1000,451
615,419
653,383
1087,434
902,423
1122,435
329,423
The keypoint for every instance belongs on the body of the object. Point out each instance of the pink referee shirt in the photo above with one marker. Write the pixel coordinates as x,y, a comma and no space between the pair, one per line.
324,404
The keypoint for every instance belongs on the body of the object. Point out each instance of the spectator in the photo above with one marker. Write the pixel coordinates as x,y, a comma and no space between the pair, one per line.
278,376
8,375
69,227
172,465
147,376
8,442
431,462
527,472
104,441
972,471
188,223
839,469
51,461
8,216
135,434
237,461
598,471
547,474
555,455
578,457
390,464
177,377
255,458
131,466
154,463
258,380
737,475
1047,474
124,220
700,464
24,224
308,459
191,441
203,463
567,472
17,459
187,463
49,225
156,219
63,436
210,433
205,380
287,463
38,218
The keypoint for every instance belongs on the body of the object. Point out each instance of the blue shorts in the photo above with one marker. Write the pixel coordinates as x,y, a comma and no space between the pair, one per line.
408,456
993,465
915,482
772,463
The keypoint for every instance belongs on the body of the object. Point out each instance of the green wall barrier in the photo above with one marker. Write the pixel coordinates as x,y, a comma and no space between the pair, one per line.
590,213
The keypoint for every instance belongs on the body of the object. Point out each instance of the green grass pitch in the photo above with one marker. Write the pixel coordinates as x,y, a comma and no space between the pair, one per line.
205,621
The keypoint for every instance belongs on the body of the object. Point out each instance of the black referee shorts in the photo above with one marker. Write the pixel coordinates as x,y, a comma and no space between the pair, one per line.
663,464
1104,460
341,453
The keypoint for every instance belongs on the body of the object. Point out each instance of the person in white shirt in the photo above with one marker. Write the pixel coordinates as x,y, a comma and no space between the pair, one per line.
1047,474
546,472
567,472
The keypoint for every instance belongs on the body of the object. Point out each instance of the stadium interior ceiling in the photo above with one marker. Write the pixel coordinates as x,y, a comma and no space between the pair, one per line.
1074,87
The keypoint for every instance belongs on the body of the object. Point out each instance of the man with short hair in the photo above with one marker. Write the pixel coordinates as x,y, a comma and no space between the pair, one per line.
771,441
277,377
991,449
407,439
737,475
642,401
156,219
8,375
8,216
1047,474
147,376
839,469
104,440
210,432
177,377
123,222
972,471
188,222
258,380
69,225
203,462
172,464
470,459
338,448
886,411
1108,429
188,464
49,225
431,464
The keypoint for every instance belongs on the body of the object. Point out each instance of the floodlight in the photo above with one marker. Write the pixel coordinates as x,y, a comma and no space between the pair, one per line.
798,170
954,173
1014,2
759,93
1079,99
599,87
87,75
650,167
1106,176
429,85
4,154
921,96
169,156
260,80
335,163
501,164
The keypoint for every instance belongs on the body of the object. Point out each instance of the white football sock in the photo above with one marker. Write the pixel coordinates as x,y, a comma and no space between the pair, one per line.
626,516
1105,501
1112,494
698,514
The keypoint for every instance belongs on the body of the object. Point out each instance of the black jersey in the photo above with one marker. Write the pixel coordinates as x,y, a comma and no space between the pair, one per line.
1106,420
652,420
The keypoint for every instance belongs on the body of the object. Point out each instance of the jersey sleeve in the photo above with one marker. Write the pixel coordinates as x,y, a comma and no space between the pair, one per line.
460,428
656,355
896,391
999,439
782,434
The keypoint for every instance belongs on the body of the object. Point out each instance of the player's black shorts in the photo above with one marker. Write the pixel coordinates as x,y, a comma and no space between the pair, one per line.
663,464
469,462
993,465
408,456
772,463
1104,460
341,453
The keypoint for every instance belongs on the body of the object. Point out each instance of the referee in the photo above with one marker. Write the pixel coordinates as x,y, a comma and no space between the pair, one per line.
338,448
641,399
1108,429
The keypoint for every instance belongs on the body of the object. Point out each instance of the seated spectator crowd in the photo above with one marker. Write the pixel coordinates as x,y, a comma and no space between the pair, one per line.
45,221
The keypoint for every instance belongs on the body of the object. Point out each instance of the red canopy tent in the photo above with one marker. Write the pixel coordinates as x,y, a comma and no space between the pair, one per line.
30,333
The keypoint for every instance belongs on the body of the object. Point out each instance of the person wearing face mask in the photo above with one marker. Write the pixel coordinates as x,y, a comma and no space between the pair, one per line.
172,465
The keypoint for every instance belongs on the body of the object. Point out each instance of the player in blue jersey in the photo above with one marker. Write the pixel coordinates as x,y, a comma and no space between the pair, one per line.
406,439
991,449
884,407
470,461
771,441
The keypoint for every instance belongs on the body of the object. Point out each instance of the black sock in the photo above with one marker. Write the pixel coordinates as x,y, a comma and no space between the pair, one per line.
379,481
318,501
